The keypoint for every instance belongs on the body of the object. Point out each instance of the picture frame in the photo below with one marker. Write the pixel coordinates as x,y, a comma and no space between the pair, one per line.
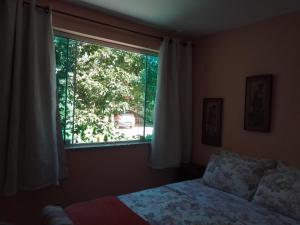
212,121
258,99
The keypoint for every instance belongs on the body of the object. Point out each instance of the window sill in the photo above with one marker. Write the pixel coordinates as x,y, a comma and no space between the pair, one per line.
101,146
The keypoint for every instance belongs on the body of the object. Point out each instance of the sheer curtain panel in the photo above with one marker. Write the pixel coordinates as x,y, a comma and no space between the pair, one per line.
172,136
31,155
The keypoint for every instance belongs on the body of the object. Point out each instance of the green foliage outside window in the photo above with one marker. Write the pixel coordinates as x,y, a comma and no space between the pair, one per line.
96,83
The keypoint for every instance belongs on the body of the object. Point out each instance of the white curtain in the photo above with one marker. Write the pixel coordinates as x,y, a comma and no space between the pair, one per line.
31,154
172,136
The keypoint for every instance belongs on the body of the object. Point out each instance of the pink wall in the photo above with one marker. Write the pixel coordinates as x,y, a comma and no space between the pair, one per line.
98,172
85,27
221,64
93,173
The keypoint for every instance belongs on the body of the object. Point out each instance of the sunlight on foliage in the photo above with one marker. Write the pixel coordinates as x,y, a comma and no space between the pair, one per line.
95,83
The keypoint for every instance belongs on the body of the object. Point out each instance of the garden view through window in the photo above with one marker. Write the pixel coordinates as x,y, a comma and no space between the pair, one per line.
104,94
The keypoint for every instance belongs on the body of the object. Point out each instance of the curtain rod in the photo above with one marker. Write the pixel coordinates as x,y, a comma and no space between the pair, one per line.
98,22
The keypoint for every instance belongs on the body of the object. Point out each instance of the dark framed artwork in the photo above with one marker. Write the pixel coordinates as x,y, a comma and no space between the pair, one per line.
212,121
258,103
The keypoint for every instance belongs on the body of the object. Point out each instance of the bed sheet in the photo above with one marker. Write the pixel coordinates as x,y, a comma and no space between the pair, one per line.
194,203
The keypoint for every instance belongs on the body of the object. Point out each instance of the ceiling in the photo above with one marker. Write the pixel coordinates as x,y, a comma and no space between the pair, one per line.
194,17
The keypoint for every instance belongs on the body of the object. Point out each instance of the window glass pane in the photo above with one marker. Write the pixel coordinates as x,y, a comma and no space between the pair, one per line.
65,70
105,94
150,94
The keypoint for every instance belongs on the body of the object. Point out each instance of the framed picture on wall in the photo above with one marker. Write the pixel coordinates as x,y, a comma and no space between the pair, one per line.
258,103
212,121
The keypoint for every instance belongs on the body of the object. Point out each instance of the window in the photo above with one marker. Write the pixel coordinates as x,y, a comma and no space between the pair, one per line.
105,94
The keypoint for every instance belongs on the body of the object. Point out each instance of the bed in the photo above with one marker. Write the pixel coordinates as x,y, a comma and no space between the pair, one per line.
194,202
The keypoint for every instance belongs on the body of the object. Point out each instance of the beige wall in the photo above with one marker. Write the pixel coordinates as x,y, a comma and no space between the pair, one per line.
221,64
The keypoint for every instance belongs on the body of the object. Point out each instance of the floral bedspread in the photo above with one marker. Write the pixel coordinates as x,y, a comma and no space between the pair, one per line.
194,203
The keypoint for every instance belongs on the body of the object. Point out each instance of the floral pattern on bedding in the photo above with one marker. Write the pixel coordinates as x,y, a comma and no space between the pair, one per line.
194,203
280,191
238,175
